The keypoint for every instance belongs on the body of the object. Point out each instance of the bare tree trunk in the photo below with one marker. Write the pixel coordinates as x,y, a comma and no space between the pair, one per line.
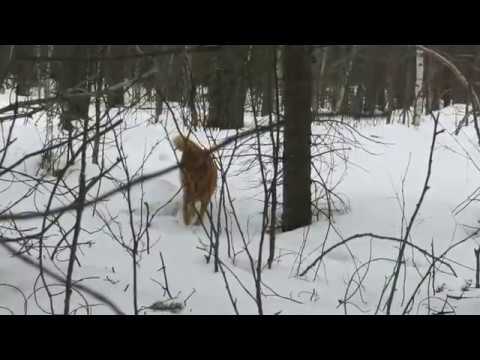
114,74
7,53
98,87
390,93
82,193
435,95
318,67
418,105
323,83
227,89
375,76
190,88
357,102
159,89
346,78
429,85
267,92
407,98
69,76
275,139
24,70
174,74
297,210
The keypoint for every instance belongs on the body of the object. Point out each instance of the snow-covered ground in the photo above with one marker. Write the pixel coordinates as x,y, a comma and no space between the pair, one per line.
371,185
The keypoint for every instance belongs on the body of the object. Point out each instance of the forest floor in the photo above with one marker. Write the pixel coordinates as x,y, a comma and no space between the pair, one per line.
385,172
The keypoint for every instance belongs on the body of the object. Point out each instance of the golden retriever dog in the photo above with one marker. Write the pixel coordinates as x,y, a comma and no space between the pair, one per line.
198,176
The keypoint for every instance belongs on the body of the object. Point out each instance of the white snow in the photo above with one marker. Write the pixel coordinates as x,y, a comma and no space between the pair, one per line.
371,184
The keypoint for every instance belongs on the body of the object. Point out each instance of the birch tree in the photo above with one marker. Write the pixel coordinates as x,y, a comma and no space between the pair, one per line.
418,105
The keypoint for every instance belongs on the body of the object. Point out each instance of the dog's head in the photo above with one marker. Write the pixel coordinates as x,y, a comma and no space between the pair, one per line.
179,142
183,144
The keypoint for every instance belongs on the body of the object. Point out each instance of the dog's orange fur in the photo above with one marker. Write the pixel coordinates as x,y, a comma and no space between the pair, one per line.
198,176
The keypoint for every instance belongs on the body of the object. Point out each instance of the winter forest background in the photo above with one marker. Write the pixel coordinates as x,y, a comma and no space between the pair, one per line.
348,179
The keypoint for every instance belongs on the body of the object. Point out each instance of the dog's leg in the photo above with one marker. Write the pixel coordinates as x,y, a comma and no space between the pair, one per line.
203,210
186,211
191,212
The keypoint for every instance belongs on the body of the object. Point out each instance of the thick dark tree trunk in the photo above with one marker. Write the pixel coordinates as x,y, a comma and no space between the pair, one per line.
70,77
189,88
201,68
114,74
175,72
390,87
297,139
436,85
409,90
375,85
227,89
323,98
357,103
144,64
7,53
318,56
429,72
98,86
342,104
24,70
267,94
265,72
261,77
